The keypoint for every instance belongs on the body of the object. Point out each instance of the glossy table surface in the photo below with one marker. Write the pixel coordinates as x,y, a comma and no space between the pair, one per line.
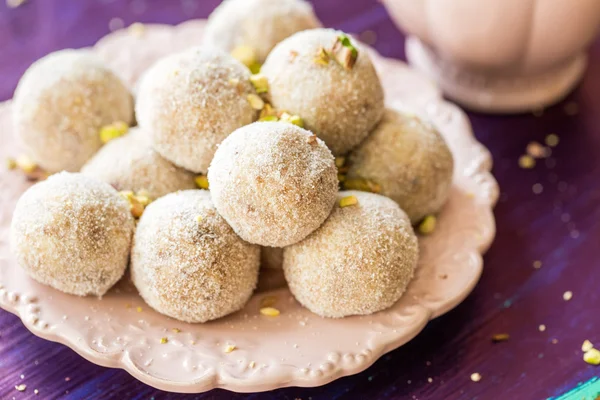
547,217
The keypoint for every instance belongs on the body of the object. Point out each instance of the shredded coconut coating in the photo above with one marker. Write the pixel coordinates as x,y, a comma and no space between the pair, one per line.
73,233
259,24
273,182
130,163
191,101
341,106
187,263
409,160
271,257
61,103
358,262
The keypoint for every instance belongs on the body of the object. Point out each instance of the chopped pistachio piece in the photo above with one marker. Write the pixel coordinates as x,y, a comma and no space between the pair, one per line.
11,163
269,311
245,54
113,131
255,101
137,202
344,52
427,226
229,348
291,119
202,182
592,356
500,337
586,346
322,57
21,387
348,201
364,185
260,83
255,68
269,118
199,218
126,194
26,164
267,111
164,340
175,330
143,199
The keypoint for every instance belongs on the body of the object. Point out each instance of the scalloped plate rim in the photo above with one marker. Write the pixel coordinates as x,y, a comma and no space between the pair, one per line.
122,358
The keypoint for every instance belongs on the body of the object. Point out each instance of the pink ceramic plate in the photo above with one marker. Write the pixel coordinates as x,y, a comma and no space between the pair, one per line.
297,348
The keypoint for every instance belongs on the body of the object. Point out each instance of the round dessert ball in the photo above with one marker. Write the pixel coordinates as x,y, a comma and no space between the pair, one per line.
130,163
273,182
271,257
61,103
187,263
358,262
339,102
191,101
407,160
72,232
257,24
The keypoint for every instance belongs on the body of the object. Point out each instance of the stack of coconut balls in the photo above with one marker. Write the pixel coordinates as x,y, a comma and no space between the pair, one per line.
225,164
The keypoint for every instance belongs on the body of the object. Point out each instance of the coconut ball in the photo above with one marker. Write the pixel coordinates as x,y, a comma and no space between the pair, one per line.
257,24
358,262
187,263
130,163
407,160
61,103
339,102
273,182
72,232
191,101
271,257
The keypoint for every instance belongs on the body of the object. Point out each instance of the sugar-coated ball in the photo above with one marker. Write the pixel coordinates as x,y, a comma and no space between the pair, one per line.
358,262
60,105
187,262
327,79
273,182
72,232
190,101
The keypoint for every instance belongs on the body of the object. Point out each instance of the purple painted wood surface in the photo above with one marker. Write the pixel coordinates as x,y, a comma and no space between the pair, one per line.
560,227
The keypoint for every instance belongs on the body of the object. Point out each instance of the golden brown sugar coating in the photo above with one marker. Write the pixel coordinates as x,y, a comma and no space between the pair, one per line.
72,232
408,160
130,163
358,262
187,263
341,105
273,182
191,101
61,103
258,24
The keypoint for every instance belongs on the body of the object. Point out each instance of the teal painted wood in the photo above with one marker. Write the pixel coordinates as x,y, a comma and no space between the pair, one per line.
560,227
583,390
